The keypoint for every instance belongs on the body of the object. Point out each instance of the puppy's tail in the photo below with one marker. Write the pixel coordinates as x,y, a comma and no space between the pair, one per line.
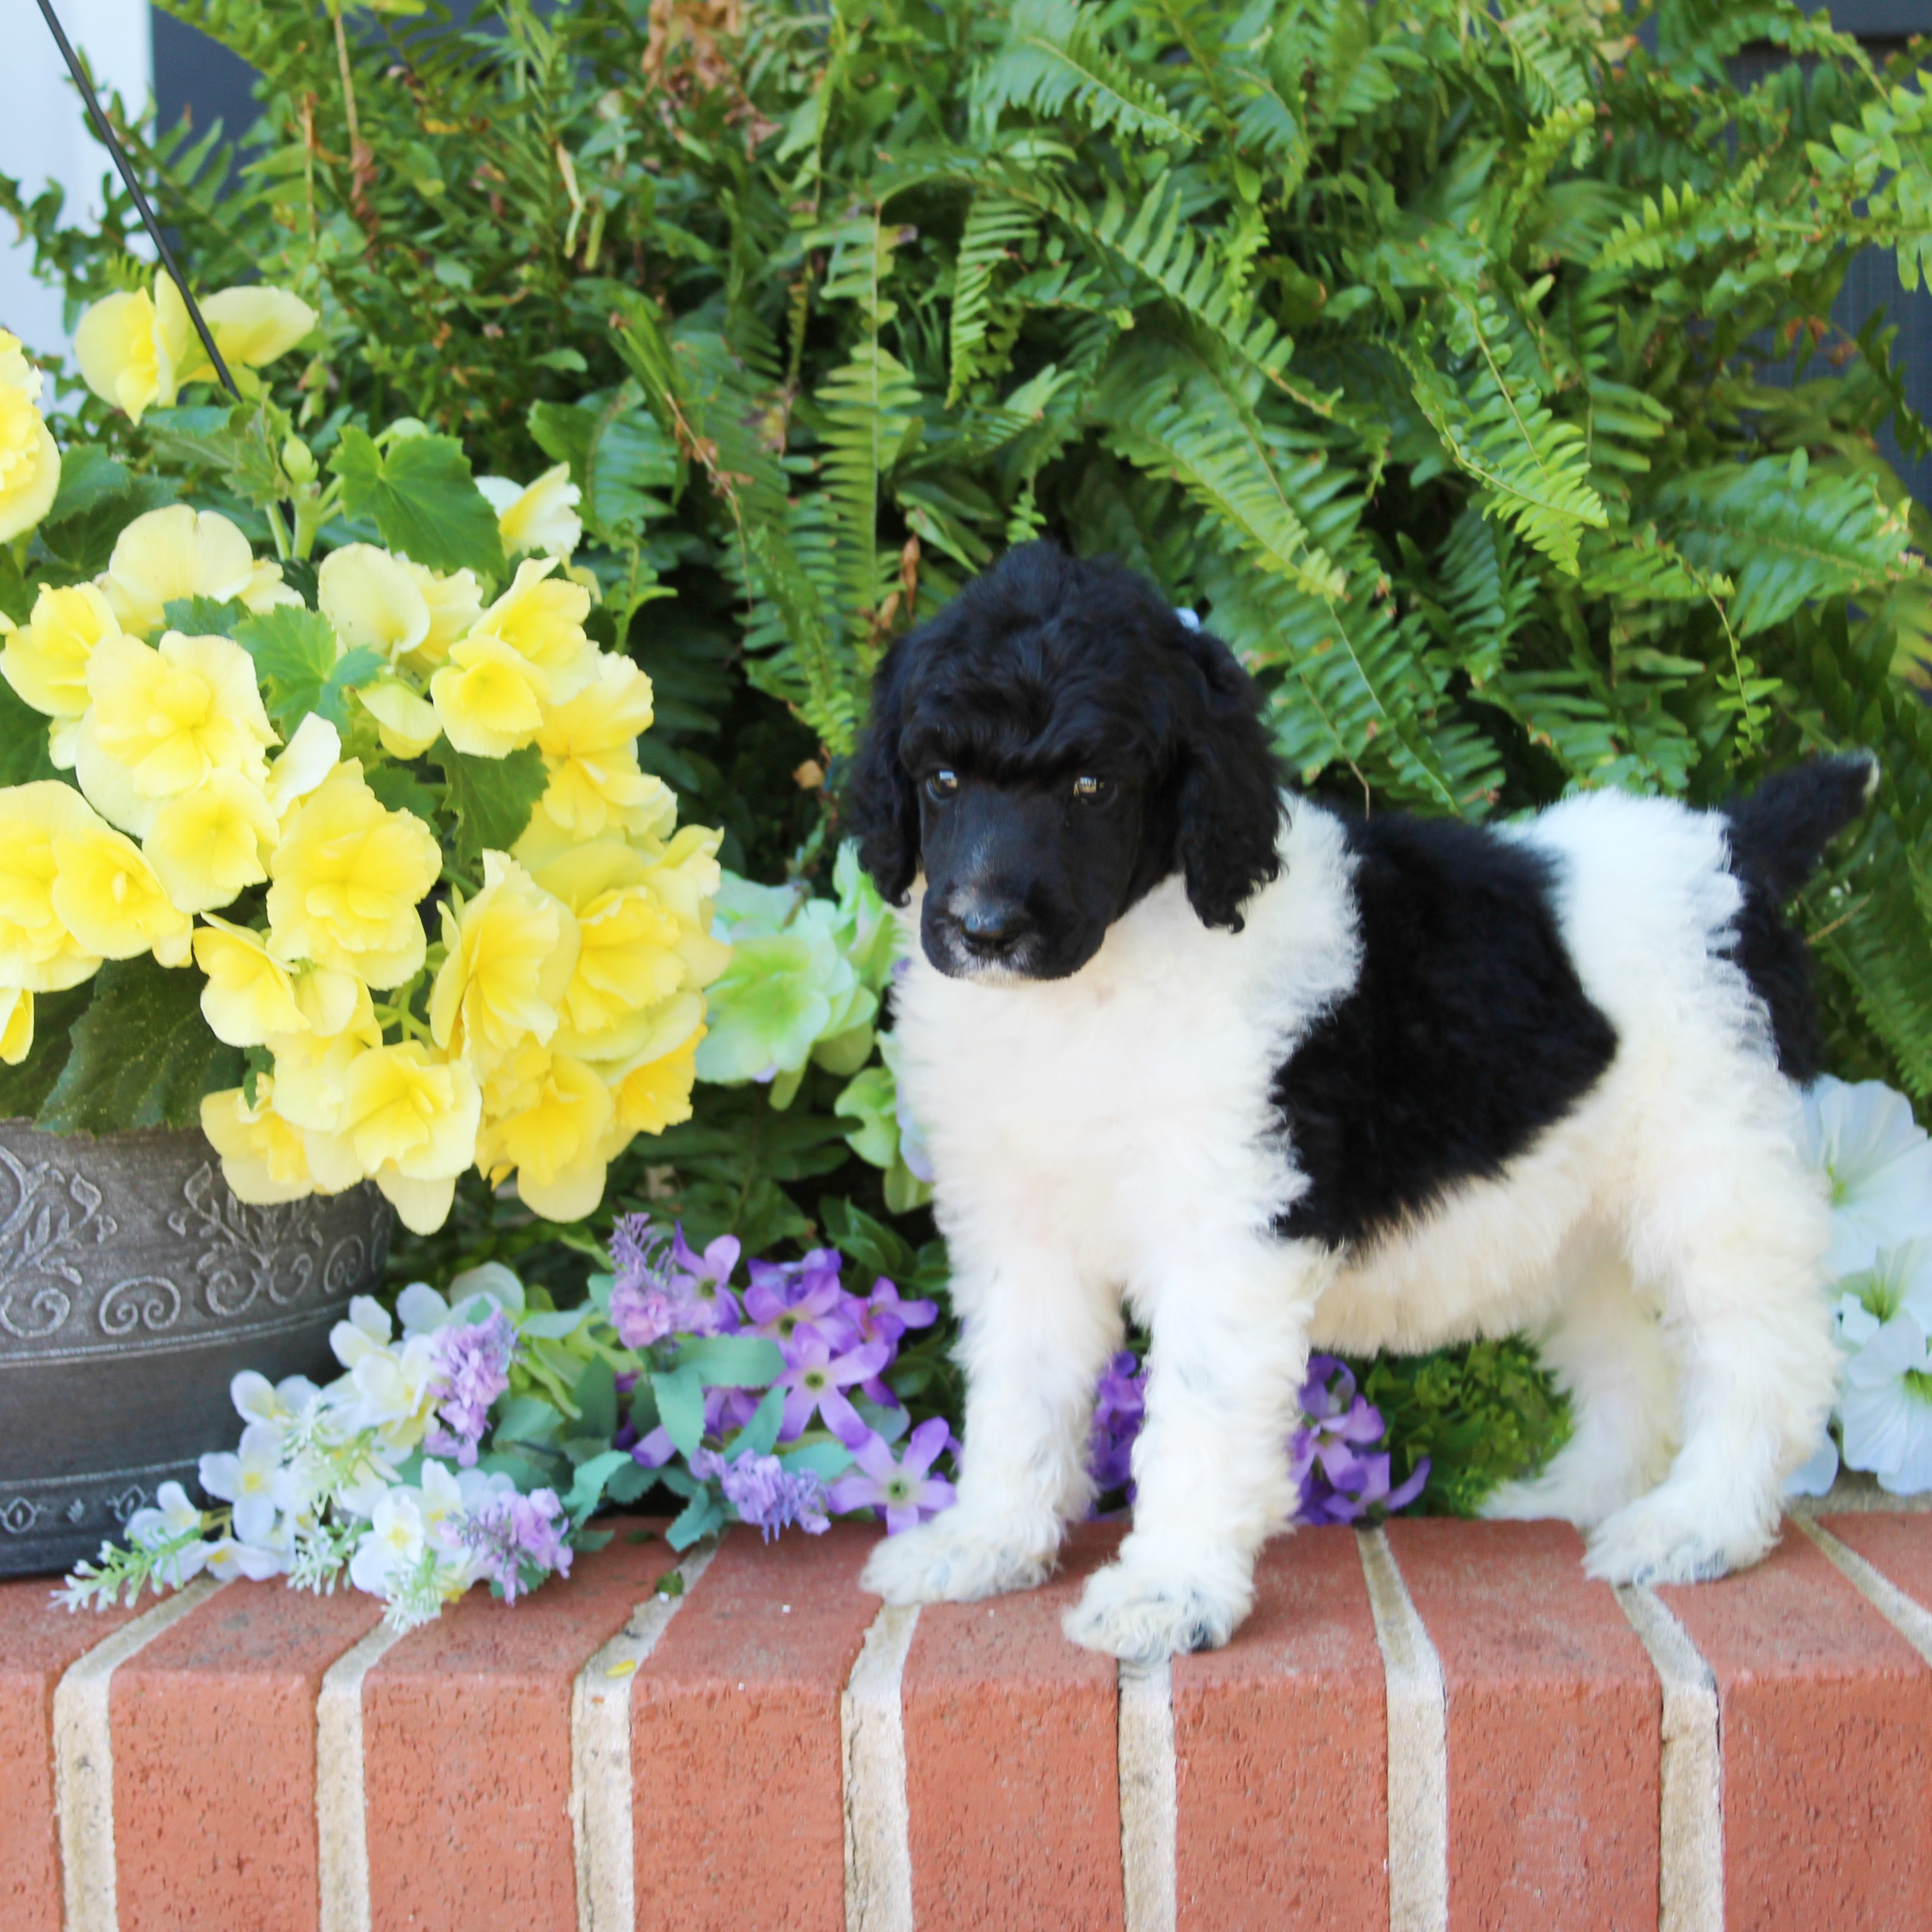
1779,834
1777,837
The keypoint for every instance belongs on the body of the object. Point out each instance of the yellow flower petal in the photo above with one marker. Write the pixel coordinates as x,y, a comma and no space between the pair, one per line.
115,344
206,845
254,325
543,621
555,1143
45,660
174,552
346,879
309,757
656,1094
17,1025
407,724
263,1159
542,517
590,744
30,465
372,599
250,995
108,897
489,698
511,951
37,950
455,603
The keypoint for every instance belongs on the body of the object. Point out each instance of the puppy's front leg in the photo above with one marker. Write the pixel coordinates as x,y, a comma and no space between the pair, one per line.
1035,1338
1229,1325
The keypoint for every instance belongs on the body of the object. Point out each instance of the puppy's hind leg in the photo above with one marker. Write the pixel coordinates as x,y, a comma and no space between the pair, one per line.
1229,1324
1605,1346
1733,1231
1036,1337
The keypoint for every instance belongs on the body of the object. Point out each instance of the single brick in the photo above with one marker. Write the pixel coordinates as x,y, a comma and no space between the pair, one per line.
1826,1716
467,1754
739,1820
1012,1765
38,1642
1555,1727
213,1729
1281,1743
1897,1543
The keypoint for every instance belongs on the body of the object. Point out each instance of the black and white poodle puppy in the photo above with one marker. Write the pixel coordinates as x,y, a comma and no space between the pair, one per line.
1281,1077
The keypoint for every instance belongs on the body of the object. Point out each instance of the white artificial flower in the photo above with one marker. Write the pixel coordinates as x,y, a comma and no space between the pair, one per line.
172,1515
246,1480
390,1391
1877,1161
1886,1407
276,1405
395,1545
368,1326
258,1561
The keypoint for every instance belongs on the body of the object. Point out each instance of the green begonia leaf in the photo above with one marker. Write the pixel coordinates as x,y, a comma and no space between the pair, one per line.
423,498
401,789
203,617
141,1054
617,454
23,740
681,1404
89,477
492,798
731,1361
295,653
24,1088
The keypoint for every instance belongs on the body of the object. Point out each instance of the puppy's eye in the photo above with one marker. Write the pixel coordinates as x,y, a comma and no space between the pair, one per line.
942,785
1089,788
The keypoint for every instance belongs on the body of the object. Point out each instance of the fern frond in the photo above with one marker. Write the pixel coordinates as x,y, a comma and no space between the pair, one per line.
1551,77
1055,63
1531,468
1784,537
997,227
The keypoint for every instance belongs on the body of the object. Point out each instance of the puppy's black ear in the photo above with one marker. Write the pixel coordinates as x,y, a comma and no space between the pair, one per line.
881,803
1229,802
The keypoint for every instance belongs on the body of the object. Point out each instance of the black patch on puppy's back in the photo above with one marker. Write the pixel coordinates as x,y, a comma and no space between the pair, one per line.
1467,1032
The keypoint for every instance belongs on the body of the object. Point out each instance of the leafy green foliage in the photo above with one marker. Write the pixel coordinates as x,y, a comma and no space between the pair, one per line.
141,1054
492,798
420,494
302,664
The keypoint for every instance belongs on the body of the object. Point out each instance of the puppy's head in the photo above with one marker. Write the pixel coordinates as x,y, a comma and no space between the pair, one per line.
1050,746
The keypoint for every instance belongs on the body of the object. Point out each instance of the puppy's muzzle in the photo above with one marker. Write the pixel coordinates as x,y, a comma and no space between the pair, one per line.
994,932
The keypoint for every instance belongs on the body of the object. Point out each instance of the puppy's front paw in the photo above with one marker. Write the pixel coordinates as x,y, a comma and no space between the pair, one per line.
955,1558
1660,1539
1125,1612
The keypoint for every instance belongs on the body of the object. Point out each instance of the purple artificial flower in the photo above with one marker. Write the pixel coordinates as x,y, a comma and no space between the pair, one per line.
1339,1475
506,1530
883,1317
764,1492
1119,1404
809,1308
815,1381
905,1490
472,1368
663,1288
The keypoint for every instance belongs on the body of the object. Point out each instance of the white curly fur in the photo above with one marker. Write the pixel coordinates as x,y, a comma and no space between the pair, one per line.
1110,1137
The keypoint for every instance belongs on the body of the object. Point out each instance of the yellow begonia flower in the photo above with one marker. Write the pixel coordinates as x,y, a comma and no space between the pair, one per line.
208,844
162,719
543,622
408,1123
590,744
37,950
511,951
346,879
656,1094
556,1144
131,347
308,757
30,462
250,995
252,327
108,897
455,603
310,1067
542,517
372,599
489,698
17,1024
45,660
263,1159
174,552
406,724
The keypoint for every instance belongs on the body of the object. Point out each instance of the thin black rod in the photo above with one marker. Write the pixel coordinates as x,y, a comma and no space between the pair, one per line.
147,213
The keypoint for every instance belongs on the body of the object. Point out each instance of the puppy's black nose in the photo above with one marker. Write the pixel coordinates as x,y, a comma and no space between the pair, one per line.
993,930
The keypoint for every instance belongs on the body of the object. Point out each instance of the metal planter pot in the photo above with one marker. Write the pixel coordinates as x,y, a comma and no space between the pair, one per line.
134,1287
